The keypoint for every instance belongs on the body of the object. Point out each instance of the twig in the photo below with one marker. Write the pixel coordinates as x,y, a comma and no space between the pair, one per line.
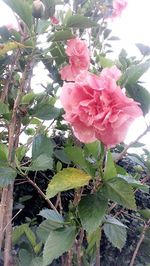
146,226
78,247
98,255
131,143
12,219
42,194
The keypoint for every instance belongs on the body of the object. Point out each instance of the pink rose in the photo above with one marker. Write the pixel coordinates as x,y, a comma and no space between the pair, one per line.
54,20
118,7
97,108
79,59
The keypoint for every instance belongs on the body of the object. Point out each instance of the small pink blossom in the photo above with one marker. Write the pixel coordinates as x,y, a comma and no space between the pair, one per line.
79,59
118,7
97,108
54,20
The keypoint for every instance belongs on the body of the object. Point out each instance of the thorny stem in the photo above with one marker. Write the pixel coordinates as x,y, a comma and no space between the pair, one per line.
146,226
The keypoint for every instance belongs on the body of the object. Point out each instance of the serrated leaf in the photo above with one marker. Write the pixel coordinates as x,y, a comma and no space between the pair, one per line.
79,21
42,145
25,257
22,9
30,235
93,241
115,232
45,228
110,169
145,213
67,179
41,163
9,46
94,148
7,176
134,73
3,107
62,35
135,183
45,111
28,98
76,154
119,191
57,243
58,53
17,233
61,155
3,152
141,95
20,152
91,212
52,215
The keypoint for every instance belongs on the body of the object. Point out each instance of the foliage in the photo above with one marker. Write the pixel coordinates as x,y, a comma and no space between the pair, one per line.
100,191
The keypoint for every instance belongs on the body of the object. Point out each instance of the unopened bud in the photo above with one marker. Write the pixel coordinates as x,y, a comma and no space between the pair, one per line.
38,9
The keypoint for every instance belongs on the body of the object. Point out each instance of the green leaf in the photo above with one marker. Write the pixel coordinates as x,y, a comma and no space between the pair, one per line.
3,152
42,145
3,108
25,257
62,35
110,169
58,53
145,213
105,62
28,98
52,215
141,95
61,155
79,21
91,212
46,227
135,183
93,242
119,191
134,73
17,233
115,232
66,179
41,163
67,16
45,111
30,235
22,9
76,154
20,152
144,49
57,243
43,26
7,176
94,148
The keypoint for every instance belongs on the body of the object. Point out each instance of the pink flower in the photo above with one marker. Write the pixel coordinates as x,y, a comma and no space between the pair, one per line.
79,59
54,20
118,7
97,108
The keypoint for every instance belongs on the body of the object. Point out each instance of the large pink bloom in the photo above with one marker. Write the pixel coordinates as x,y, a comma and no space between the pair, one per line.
79,59
118,7
96,107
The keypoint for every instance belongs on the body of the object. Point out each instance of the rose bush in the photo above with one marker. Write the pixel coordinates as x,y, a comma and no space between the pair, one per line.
79,59
97,108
